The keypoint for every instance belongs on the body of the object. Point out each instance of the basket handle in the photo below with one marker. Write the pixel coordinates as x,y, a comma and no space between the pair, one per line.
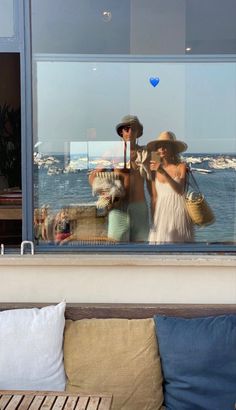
193,183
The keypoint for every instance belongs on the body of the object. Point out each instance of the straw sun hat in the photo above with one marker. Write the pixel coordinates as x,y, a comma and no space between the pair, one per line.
130,120
170,138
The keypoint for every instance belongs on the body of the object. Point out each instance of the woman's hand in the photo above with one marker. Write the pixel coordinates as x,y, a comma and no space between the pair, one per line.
155,166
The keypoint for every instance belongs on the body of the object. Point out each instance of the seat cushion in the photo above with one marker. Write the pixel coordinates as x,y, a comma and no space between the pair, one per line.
31,355
117,356
198,359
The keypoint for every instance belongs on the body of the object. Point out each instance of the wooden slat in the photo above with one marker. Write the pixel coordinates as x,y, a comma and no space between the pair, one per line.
93,403
48,403
71,403
25,404
4,400
82,403
14,402
29,400
59,403
36,403
75,311
105,403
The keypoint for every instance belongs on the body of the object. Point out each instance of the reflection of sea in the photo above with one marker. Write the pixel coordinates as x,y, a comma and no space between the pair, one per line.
219,187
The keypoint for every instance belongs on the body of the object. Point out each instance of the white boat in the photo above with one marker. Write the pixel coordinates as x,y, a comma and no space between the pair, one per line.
193,160
223,163
201,170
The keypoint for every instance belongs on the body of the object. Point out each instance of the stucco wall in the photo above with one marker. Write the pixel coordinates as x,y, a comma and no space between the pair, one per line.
121,278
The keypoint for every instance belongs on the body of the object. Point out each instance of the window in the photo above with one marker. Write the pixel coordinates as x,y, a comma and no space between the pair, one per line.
94,64
6,18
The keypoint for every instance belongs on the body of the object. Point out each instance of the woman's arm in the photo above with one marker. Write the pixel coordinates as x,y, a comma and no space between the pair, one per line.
153,199
178,186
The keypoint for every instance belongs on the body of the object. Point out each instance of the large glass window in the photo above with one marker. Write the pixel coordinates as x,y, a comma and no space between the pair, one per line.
150,27
6,18
104,91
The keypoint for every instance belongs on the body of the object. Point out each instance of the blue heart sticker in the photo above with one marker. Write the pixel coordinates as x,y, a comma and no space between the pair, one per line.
154,81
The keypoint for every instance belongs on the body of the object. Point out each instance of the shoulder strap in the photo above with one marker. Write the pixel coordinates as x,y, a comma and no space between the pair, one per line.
191,181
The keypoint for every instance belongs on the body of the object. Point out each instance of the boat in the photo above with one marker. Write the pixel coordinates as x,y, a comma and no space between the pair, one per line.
201,170
193,160
223,163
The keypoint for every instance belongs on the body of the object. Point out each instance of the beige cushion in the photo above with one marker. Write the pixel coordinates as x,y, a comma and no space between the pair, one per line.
117,356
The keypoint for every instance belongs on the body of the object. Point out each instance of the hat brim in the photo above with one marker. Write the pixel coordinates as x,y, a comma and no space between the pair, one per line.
180,146
123,124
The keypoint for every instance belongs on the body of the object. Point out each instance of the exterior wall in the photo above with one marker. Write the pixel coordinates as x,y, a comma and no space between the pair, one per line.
114,279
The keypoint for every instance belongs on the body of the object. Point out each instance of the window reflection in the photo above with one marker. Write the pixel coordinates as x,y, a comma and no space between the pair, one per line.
171,27
6,18
66,206
76,134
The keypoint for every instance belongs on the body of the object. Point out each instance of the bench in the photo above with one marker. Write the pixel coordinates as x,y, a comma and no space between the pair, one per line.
75,311
30,400
102,343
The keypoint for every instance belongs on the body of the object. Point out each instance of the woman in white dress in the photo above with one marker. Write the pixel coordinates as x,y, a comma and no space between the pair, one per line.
171,222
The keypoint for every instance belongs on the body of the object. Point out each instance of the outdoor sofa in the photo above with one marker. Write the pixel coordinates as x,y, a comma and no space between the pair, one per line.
149,356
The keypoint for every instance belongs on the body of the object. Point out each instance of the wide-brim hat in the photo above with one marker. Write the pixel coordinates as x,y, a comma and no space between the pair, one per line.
130,120
170,138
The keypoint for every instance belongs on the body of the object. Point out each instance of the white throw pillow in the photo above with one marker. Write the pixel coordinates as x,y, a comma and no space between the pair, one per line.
31,355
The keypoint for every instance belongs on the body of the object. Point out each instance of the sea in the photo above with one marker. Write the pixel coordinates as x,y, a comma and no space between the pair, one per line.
57,185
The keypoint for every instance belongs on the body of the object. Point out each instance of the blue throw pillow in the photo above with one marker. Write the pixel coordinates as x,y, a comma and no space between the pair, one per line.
198,361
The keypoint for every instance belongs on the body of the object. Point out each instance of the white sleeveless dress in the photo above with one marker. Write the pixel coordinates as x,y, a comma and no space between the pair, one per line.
171,220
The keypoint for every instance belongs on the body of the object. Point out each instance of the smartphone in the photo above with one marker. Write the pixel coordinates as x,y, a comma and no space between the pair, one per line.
155,156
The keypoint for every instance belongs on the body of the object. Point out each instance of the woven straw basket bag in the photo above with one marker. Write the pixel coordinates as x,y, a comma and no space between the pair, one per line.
198,209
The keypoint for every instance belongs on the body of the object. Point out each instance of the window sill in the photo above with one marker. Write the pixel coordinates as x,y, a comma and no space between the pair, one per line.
116,260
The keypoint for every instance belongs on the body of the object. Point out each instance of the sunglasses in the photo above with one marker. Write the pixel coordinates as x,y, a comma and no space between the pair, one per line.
126,128
164,145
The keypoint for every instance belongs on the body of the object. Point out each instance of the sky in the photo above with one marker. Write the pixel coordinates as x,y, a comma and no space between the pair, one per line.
83,101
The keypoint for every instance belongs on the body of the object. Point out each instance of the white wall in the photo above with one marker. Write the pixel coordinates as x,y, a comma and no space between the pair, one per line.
124,279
